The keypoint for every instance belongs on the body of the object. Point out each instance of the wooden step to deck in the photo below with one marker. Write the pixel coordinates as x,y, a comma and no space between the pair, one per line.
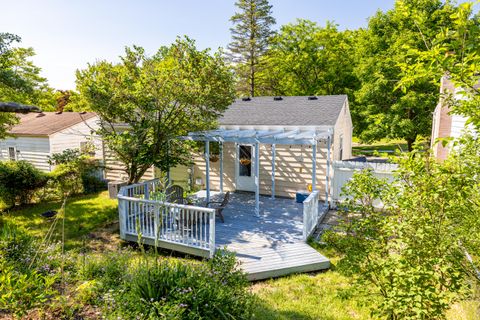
279,260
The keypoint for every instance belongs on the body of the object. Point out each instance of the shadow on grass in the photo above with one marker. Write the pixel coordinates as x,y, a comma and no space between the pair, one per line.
84,214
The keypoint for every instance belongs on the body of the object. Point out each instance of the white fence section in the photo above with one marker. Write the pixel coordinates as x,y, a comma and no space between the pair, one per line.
343,172
183,228
310,214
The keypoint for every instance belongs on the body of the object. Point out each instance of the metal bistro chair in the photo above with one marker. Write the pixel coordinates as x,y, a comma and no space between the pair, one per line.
174,194
222,205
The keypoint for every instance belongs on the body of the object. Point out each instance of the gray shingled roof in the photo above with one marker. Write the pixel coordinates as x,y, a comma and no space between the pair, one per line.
290,111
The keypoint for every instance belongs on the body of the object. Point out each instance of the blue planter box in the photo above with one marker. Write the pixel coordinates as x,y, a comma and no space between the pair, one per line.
300,196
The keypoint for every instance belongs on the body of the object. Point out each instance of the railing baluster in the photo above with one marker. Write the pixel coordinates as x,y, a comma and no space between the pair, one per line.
187,225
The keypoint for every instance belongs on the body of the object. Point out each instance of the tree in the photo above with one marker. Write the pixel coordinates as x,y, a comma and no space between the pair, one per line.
383,110
20,80
250,35
305,59
415,250
452,52
146,103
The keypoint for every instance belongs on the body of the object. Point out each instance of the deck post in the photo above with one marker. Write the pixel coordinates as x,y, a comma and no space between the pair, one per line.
207,168
327,176
273,170
221,166
257,179
314,166
122,216
212,233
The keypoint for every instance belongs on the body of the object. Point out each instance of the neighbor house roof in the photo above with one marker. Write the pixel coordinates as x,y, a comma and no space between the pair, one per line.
47,123
285,111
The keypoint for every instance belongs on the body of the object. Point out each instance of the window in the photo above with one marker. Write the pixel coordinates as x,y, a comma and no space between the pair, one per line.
245,161
12,153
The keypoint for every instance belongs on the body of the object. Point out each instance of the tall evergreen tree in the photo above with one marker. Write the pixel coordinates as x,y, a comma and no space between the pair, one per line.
250,35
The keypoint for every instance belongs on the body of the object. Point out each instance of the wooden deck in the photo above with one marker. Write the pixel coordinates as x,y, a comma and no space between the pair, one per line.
270,245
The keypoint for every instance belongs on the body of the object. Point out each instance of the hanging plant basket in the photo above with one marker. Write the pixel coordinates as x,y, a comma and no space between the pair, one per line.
245,161
214,157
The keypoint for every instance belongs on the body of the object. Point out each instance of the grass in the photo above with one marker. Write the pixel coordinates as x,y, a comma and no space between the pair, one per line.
84,214
326,295
330,295
380,147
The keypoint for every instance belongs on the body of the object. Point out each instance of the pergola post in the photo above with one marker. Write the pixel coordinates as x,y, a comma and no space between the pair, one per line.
327,176
207,168
273,170
314,166
221,166
257,180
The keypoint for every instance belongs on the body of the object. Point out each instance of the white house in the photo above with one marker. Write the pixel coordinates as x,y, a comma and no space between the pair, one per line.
39,135
297,139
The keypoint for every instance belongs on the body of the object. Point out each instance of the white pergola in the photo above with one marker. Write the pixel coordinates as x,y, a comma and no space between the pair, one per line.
257,137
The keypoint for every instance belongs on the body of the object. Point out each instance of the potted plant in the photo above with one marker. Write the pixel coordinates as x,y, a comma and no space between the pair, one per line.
245,161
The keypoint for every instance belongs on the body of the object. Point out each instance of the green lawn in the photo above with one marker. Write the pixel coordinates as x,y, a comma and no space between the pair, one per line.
84,214
324,295
381,147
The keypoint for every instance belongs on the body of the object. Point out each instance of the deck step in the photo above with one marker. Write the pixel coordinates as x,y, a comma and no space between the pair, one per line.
279,260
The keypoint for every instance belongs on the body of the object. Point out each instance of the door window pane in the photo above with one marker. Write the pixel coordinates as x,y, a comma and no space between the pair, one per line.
12,154
245,161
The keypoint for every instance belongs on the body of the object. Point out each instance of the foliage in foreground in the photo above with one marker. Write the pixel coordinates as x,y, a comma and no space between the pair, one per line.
35,275
413,249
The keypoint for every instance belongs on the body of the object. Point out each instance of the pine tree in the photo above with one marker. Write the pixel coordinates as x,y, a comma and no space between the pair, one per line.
250,35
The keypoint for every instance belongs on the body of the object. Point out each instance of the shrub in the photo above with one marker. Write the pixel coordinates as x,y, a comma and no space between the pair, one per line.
23,283
184,290
81,168
22,291
18,182
413,251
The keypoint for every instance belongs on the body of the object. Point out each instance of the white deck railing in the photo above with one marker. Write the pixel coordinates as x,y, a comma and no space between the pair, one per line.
184,228
310,214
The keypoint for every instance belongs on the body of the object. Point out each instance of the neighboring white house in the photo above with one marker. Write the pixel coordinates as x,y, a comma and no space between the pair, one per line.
39,135
446,124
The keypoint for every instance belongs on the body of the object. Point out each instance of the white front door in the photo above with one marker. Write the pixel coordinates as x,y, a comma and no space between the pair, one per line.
245,167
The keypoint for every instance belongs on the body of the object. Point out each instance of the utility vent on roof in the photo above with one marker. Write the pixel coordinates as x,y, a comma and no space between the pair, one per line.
277,98
58,112
41,114
246,99
83,112
312,98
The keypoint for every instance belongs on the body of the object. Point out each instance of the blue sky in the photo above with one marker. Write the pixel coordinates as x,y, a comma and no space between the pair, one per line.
66,35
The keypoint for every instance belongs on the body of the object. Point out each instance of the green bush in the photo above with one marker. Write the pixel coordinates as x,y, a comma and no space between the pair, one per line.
22,291
24,283
79,169
183,290
18,182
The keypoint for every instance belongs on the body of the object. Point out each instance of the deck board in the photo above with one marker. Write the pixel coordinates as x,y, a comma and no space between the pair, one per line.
270,245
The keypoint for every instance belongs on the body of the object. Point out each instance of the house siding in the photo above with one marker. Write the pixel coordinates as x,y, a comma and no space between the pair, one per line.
71,137
115,169
343,134
32,149
293,169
